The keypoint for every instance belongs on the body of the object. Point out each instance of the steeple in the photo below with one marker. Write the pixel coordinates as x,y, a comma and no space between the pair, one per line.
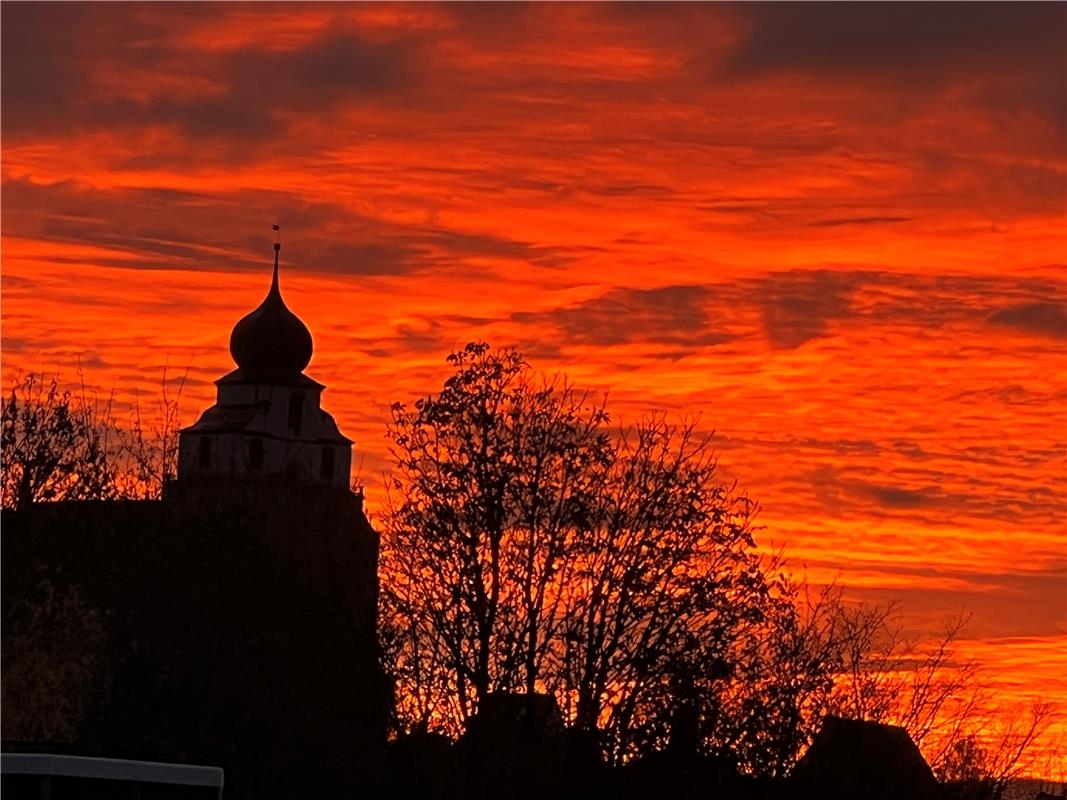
267,423
271,342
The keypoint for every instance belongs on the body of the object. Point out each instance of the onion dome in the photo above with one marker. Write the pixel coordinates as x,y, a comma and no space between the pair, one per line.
271,342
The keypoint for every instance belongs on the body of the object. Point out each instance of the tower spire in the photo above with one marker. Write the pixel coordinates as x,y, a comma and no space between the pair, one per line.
277,250
271,340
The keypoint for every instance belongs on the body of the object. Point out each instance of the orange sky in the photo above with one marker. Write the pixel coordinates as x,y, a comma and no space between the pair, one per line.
836,233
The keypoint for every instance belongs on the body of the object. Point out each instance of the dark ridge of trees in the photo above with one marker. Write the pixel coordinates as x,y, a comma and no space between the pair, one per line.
530,545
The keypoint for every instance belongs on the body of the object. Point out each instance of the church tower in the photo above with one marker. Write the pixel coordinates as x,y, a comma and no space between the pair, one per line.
267,424
239,612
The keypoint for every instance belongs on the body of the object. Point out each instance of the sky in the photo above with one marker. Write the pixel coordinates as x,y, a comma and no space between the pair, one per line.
834,234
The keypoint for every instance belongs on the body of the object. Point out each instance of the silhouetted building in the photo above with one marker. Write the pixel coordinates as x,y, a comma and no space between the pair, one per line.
516,713
869,760
231,624
516,747
267,422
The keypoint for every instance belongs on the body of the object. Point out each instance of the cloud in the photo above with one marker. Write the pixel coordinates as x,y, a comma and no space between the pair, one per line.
834,223
451,243
42,68
265,89
1029,595
63,64
897,497
1043,92
910,449
913,60
148,228
949,490
912,41
673,315
160,228
846,496
1045,319
799,306
625,188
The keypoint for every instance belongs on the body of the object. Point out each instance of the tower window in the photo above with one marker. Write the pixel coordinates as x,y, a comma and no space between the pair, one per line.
296,411
326,467
205,452
255,454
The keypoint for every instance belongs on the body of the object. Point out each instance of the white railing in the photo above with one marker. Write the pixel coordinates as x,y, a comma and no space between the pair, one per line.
46,766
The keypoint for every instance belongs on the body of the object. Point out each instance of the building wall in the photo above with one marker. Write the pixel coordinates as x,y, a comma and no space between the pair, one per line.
294,459
238,629
291,445
275,400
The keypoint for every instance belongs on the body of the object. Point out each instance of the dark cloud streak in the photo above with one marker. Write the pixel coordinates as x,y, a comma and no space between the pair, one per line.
843,221
1045,319
57,59
798,307
154,227
672,315
921,41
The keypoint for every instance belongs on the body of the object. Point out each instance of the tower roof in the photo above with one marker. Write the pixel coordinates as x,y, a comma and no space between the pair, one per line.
271,343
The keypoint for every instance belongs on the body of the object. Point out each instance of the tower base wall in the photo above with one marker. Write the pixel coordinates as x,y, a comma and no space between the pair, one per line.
228,625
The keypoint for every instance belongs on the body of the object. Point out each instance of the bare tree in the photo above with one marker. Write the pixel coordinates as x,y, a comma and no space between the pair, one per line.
530,547
62,445
149,451
887,677
493,481
663,594
1001,755
938,697
773,710
55,445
